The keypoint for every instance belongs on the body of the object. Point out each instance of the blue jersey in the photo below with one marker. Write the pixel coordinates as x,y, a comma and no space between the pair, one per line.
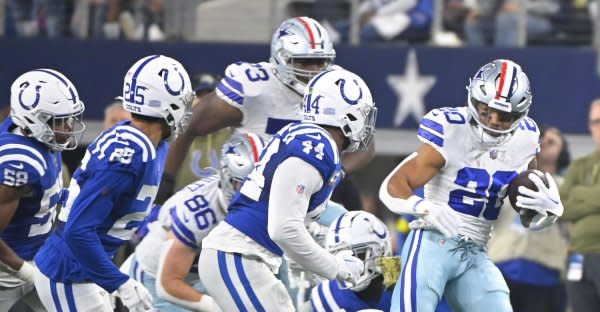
248,210
108,198
28,163
328,297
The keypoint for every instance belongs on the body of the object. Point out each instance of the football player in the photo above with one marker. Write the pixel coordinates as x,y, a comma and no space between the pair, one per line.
45,119
191,213
368,239
468,158
264,97
298,170
111,192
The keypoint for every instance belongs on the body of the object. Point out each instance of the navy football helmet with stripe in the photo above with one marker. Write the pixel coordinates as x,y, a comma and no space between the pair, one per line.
366,236
300,49
46,105
504,88
159,86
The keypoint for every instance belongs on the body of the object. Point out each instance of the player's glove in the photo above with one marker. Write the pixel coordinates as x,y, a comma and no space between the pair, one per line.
349,267
545,200
438,216
134,296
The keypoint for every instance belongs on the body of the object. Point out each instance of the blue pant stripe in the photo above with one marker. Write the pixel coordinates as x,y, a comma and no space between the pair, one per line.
70,297
54,292
229,283
403,277
413,290
247,286
324,301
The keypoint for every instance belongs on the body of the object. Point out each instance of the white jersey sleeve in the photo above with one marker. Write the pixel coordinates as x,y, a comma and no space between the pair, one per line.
440,126
195,210
267,104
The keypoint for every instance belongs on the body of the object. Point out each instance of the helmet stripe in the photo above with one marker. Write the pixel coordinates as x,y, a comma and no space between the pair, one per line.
55,74
501,84
512,82
137,72
310,33
255,150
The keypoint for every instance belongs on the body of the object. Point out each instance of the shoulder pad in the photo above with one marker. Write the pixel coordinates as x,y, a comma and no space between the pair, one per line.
192,211
243,80
438,124
313,145
123,147
21,164
528,134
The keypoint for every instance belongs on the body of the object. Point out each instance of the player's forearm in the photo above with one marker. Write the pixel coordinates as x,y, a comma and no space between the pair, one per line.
9,257
177,153
88,252
296,242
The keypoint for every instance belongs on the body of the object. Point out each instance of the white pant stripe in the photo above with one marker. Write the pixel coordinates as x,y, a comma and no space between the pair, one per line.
316,300
329,296
408,275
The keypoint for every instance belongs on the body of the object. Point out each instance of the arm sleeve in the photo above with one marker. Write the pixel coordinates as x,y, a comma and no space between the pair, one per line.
94,204
287,210
332,211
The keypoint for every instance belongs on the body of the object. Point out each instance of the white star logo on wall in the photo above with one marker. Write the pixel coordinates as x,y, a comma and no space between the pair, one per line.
411,89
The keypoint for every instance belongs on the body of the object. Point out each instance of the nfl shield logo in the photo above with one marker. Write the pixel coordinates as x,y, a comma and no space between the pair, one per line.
494,154
300,189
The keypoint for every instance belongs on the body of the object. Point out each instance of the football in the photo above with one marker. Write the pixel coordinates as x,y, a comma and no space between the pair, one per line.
513,192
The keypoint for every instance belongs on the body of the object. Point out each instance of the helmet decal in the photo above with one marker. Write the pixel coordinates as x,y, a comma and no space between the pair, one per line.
341,82
35,103
164,73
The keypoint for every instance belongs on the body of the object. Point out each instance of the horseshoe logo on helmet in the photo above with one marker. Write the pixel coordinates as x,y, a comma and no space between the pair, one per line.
380,235
341,82
35,103
164,73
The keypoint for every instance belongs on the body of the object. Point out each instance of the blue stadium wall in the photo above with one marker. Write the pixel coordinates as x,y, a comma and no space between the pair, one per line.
564,80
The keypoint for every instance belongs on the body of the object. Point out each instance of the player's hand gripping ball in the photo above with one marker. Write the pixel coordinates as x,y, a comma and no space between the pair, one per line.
513,191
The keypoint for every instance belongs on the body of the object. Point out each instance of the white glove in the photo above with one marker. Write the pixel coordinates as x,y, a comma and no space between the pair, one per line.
545,200
25,273
349,267
134,296
440,217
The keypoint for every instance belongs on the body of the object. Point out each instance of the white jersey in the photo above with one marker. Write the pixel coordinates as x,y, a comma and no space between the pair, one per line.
475,178
191,213
266,103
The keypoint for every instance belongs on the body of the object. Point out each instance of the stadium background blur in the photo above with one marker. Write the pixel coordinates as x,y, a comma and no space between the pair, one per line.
425,65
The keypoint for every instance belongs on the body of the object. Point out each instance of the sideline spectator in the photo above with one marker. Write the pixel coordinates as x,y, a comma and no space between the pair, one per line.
498,20
580,194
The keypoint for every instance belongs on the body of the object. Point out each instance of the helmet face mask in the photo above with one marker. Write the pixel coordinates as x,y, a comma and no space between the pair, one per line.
300,50
368,239
238,156
502,89
46,106
67,130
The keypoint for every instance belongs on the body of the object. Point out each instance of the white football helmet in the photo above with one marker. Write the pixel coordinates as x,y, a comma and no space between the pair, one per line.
501,85
46,105
238,156
300,39
366,236
158,86
339,98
